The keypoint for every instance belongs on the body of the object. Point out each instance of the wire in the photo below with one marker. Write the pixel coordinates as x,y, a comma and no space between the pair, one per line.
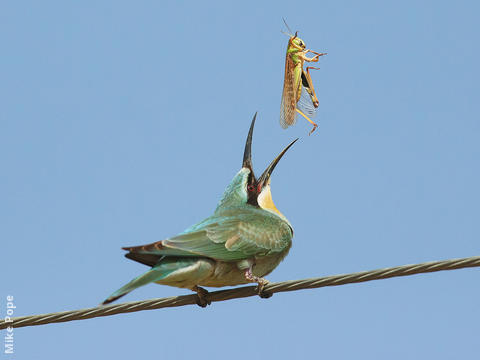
242,292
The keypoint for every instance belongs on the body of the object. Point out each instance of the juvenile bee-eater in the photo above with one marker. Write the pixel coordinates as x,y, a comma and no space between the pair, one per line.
244,240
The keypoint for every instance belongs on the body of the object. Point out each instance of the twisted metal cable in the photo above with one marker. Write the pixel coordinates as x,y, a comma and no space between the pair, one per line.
242,292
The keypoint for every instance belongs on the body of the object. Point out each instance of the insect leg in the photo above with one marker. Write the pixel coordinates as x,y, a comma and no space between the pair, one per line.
306,117
308,85
314,58
316,53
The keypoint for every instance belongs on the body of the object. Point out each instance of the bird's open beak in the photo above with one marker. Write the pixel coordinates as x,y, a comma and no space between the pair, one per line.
247,155
268,171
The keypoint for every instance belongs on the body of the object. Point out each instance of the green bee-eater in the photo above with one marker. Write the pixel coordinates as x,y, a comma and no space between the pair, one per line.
244,240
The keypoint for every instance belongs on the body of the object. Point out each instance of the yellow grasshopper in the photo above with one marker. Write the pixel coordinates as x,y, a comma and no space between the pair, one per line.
298,92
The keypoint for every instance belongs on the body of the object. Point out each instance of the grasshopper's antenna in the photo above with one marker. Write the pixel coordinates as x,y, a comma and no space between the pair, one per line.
288,28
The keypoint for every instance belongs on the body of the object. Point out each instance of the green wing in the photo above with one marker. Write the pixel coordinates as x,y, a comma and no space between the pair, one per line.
231,235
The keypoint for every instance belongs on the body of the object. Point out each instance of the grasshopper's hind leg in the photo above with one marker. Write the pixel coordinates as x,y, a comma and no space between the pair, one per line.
308,84
311,122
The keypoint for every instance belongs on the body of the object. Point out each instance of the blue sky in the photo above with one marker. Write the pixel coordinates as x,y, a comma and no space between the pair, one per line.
123,122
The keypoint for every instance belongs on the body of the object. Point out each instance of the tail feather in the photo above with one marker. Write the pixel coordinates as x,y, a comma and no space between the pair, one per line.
150,276
191,269
146,259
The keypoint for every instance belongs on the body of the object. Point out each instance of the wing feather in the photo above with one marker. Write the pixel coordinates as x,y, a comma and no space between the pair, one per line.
234,235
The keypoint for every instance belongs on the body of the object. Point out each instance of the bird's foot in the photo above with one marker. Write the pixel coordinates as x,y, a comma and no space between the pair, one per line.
202,300
261,284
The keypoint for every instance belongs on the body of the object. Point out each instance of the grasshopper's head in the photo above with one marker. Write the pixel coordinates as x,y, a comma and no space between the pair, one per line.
294,41
299,43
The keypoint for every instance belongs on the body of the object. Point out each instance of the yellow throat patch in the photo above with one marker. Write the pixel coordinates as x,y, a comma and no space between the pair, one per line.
265,200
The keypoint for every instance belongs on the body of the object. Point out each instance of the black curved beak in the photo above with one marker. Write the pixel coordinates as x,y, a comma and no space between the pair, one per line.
247,155
268,171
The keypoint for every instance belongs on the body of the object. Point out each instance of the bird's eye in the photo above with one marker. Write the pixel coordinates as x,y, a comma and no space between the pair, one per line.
250,188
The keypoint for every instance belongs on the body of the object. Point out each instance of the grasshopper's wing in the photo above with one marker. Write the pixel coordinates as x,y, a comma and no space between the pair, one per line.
289,96
308,101
232,237
305,104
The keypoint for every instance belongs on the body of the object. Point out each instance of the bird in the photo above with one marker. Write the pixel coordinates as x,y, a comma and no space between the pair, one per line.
244,240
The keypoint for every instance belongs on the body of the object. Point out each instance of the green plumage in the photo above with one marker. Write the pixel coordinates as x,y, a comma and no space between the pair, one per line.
220,249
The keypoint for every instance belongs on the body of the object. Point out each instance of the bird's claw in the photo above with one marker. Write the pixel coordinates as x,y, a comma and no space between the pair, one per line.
202,300
265,294
261,284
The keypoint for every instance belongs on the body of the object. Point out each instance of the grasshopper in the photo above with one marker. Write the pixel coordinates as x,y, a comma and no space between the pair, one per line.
298,91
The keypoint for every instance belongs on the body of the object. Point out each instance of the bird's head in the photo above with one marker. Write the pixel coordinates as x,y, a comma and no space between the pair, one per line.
258,190
245,188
